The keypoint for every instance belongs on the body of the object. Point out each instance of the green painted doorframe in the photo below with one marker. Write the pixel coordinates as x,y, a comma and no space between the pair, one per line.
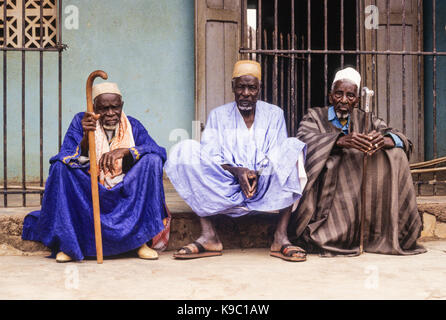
440,87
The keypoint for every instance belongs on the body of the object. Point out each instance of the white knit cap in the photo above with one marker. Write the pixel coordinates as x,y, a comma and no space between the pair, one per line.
349,74
105,87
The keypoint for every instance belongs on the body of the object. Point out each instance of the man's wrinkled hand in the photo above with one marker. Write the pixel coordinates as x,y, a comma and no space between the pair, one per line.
355,140
252,183
108,160
88,124
89,121
367,143
379,142
246,178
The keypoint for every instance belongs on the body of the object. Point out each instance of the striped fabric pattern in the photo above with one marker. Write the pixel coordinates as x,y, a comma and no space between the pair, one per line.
327,219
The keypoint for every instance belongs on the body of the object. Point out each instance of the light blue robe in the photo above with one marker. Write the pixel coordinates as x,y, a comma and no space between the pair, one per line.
196,173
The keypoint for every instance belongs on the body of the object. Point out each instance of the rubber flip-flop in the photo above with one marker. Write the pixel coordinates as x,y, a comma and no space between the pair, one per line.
202,252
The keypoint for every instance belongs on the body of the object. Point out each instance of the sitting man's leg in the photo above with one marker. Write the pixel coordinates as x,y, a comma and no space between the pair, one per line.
64,226
281,246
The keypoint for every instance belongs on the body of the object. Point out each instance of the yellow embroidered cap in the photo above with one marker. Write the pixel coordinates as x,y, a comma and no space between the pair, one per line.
247,68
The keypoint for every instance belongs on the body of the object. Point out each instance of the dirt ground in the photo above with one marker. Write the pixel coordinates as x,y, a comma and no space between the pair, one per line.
237,274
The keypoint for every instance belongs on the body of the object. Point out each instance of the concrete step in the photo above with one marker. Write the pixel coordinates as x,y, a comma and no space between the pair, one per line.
434,217
245,232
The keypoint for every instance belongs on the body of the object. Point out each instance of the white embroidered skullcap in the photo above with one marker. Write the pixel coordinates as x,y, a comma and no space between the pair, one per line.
349,74
105,87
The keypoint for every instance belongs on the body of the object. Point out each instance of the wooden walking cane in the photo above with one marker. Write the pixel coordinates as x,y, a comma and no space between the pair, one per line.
94,167
368,94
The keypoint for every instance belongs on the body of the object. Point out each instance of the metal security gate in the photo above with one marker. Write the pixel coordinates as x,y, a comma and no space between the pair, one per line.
28,26
301,44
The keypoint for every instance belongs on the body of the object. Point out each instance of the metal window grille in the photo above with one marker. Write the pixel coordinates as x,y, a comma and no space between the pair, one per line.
27,26
301,44
34,27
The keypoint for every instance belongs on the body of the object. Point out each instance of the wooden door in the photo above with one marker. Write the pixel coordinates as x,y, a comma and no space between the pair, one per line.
217,42
400,108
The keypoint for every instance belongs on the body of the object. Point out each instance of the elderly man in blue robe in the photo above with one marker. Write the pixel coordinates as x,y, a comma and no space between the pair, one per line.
244,164
131,192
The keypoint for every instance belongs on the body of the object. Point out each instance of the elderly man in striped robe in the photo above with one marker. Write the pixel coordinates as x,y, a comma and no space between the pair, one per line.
327,220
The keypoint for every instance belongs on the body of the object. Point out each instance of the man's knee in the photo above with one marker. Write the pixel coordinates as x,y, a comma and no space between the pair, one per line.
187,152
151,160
398,154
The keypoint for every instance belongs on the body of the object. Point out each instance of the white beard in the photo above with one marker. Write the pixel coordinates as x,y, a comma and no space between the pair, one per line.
245,108
342,115
110,128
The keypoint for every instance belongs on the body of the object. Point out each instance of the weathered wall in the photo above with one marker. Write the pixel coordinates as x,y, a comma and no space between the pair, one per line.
146,46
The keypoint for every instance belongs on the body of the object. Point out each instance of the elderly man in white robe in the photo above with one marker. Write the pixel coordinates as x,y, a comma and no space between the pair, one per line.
244,164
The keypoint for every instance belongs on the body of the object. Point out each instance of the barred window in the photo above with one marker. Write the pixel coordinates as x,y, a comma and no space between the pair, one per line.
37,12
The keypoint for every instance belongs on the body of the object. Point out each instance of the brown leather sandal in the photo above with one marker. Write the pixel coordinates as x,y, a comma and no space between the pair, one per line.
202,252
287,253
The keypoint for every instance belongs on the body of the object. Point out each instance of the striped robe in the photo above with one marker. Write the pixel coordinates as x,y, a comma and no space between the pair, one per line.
327,219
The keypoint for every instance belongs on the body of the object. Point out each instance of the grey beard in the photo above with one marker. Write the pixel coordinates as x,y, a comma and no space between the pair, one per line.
245,108
342,115
110,128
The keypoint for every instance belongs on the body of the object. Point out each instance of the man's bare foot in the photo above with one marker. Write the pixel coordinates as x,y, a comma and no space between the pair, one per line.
280,239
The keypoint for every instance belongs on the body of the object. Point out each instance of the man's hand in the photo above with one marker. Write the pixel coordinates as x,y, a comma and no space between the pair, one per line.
355,140
379,142
107,161
369,143
88,124
246,178
89,121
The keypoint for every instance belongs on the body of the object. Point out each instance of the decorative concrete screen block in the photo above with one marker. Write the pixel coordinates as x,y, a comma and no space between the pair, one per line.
14,23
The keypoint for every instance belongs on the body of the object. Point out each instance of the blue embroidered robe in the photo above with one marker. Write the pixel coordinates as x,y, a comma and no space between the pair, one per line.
132,212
